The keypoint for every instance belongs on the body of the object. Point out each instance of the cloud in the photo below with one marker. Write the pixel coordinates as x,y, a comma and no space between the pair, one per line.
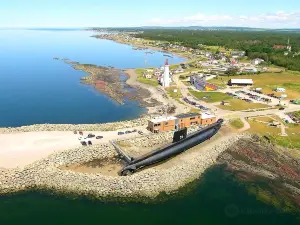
279,19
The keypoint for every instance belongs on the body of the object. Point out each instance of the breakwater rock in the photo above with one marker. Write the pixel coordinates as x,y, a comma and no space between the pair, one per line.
47,174
75,127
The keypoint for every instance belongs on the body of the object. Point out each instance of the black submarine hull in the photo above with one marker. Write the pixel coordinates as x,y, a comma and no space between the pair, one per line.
172,149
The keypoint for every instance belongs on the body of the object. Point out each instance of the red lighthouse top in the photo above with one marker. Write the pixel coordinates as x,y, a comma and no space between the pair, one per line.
167,62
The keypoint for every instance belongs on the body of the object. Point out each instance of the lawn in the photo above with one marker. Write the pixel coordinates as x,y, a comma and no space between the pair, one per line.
186,83
147,81
211,96
219,81
237,105
237,123
172,94
290,80
144,80
290,141
193,110
268,119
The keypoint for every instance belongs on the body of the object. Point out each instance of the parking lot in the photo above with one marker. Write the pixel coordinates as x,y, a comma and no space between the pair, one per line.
191,102
21,149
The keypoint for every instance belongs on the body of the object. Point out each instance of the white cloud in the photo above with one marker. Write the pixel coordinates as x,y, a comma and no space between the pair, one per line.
280,19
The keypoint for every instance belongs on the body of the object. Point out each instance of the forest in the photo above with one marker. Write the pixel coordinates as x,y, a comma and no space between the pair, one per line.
256,44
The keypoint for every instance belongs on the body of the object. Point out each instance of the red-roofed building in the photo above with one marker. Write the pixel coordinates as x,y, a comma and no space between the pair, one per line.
279,47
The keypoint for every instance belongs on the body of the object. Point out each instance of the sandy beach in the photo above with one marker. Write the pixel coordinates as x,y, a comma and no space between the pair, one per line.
22,149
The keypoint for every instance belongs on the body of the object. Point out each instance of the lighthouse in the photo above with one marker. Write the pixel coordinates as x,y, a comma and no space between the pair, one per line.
165,81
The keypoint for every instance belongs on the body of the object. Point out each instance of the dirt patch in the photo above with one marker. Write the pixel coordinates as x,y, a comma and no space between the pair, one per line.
108,167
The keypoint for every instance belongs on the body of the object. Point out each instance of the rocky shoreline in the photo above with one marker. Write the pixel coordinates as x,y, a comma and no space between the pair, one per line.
268,171
47,174
74,127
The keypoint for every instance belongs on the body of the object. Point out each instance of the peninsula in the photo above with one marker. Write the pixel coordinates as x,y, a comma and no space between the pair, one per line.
260,137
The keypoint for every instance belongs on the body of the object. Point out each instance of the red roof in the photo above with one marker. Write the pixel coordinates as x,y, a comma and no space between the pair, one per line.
279,46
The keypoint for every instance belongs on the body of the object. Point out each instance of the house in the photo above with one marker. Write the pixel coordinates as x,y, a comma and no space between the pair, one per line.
218,69
179,122
148,75
257,61
207,119
237,54
199,82
162,124
179,70
249,70
157,73
279,47
240,82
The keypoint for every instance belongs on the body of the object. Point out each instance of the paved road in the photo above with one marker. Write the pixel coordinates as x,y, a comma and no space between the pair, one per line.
235,114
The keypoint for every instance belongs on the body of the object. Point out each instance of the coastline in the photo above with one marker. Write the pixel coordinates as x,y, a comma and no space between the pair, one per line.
145,46
47,174
157,93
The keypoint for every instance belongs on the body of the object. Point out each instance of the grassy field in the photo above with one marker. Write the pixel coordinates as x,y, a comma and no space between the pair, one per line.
211,96
187,83
290,80
268,119
144,80
195,110
291,141
172,94
236,123
237,104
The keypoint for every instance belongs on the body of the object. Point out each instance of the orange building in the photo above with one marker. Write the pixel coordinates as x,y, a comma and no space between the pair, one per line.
162,124
181,121
207,119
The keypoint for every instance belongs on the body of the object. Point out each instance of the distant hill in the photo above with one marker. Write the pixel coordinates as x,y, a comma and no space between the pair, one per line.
220,28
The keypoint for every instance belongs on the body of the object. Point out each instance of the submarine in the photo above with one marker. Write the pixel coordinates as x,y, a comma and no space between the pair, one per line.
181,142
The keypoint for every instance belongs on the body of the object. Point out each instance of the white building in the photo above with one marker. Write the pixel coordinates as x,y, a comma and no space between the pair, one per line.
257,61
240,82
148,76
166,80
249,70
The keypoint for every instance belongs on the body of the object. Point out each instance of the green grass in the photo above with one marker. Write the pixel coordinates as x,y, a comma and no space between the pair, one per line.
147,81
237,105
292,86
290,80
172,94
195,110
187,83
211,96
290,141
237,123
144,80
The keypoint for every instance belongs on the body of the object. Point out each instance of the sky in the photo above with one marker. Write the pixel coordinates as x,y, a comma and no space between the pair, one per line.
129,13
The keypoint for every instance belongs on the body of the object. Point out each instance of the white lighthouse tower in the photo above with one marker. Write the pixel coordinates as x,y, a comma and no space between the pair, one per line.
165,81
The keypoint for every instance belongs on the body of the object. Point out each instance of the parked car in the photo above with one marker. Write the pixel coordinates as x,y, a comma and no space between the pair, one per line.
135,130
91,135
83,143
140,132
127,132
99,137
281,108
120,133
90,142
